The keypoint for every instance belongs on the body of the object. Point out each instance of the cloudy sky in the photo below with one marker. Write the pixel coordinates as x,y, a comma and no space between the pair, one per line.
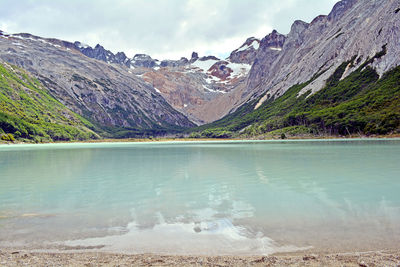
161,28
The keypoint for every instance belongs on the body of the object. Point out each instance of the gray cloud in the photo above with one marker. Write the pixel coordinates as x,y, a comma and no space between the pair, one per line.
161,28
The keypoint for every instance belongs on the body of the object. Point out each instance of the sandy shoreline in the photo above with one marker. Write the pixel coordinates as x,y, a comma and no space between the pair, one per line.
171,139
30,258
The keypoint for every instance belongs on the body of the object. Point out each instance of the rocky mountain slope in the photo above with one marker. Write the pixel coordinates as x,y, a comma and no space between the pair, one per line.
345,52
28,111
246,53
107,94
197,87
354,28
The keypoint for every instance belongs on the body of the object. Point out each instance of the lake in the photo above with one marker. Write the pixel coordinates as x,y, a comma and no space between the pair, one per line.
230,197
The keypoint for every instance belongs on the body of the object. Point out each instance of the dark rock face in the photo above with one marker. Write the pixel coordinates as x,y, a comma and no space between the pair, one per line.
143,60
102,54
194,57
220,70
122,59
205,58
174,63
246,53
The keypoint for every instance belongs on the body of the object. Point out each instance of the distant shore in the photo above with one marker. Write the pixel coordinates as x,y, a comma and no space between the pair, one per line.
172,139
30,258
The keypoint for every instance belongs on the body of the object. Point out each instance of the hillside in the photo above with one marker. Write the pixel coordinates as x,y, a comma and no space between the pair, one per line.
337,75
28,111
109,95
362,103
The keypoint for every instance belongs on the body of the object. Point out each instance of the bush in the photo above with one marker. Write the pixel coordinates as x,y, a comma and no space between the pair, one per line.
195,135
8,137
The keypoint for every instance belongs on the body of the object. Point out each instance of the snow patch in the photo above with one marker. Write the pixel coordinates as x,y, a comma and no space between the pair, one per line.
213,91
191,70
158,91
204,65
82,45
239,69
16,43
211,79
35,40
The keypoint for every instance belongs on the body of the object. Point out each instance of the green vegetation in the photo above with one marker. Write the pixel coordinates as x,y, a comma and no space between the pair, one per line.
28,112
359,104
127,132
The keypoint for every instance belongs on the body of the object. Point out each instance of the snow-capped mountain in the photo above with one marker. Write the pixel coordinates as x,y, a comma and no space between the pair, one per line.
205,88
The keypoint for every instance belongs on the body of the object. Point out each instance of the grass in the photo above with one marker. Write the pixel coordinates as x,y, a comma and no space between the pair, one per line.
28,112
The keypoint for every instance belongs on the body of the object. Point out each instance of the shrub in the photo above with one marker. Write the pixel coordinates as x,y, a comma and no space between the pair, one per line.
8,137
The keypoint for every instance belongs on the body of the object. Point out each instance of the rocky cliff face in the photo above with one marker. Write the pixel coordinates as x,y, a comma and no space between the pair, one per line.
354,28
246,53
108,94
269,49
98,52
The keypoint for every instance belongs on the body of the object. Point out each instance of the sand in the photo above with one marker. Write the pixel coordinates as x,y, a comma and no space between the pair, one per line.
30,258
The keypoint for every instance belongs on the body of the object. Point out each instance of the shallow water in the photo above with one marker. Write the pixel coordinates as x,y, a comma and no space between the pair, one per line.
202,197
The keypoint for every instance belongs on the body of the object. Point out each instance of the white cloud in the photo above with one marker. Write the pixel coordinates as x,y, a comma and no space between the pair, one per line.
161,28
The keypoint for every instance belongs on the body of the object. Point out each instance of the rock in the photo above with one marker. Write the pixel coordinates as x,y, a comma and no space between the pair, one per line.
197,229
143,60
205,58
309,257
340,9
194,57
246,53
267,53
174,63
100,53
361,263
220,70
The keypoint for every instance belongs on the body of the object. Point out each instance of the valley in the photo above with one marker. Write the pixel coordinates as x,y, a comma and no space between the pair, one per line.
335,76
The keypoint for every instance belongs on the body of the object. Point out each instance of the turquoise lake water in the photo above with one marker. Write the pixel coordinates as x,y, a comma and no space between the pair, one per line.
232,197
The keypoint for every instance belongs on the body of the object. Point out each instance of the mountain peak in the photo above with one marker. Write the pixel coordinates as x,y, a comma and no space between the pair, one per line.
340,8
246,52
298,26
